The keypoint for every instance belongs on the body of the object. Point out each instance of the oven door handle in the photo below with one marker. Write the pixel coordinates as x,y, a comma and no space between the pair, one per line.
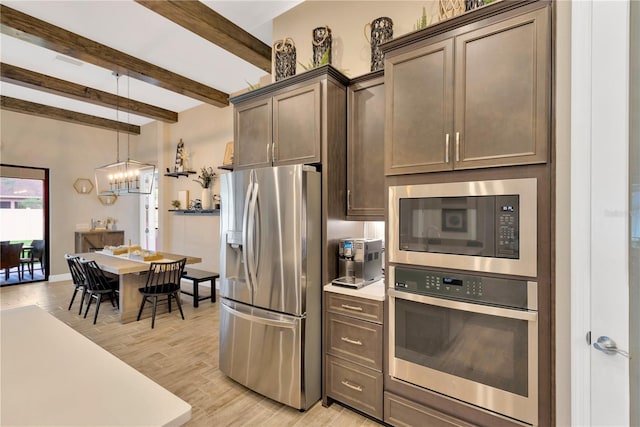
530,316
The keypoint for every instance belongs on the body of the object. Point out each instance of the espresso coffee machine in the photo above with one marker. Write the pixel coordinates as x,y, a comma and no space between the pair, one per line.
359,262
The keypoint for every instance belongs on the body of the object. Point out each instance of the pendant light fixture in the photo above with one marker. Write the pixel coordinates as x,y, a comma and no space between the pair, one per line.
124,177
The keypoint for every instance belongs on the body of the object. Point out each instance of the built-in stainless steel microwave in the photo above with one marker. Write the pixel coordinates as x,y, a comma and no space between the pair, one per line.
487,226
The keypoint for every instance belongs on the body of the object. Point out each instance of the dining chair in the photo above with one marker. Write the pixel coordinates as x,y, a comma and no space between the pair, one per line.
35,254
9,258
163,280
78,277
98,286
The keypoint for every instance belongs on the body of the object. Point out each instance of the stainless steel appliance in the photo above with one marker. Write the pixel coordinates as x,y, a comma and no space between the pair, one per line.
487,226
270,286
470,337
359,262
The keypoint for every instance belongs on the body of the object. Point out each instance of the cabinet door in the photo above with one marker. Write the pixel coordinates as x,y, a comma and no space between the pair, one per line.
355,340
354,385
399,411
419,111
296,126
502,92
365,149
113,238
252,134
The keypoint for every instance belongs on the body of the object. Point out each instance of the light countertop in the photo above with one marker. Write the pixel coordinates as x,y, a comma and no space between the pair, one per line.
54,376
373,291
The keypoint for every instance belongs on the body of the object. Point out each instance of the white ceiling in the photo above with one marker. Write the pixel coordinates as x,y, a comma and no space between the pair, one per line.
133,29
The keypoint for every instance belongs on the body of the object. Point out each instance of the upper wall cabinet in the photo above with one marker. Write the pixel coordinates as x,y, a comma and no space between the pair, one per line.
365,148
470,98
281,123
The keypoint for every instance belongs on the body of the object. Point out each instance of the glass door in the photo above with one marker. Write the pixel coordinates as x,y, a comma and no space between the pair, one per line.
24,227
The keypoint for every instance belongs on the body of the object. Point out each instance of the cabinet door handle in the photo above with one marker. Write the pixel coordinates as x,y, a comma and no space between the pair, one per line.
351,386
351,307
348,200
457,146
268,153
350,341
273,155
446,149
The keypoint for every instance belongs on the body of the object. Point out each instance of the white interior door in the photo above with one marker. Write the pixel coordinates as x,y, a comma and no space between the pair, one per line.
600,210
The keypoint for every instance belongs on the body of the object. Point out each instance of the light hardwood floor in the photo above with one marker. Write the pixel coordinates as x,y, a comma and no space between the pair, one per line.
182,356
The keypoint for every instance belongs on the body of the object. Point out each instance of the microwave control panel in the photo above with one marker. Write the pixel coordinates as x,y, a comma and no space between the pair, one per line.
489,290
507,226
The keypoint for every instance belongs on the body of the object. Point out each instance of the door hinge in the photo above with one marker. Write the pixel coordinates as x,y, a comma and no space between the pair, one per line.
588,338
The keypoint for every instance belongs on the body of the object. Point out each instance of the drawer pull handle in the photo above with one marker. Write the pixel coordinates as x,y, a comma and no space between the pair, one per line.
351,386
351,307
350,341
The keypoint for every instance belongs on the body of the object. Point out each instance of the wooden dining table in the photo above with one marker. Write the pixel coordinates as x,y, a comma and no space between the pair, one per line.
131,276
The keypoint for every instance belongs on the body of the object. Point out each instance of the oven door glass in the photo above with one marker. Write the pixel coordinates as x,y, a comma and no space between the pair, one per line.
486,349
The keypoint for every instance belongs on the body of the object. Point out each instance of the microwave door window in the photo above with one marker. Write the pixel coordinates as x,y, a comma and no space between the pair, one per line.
448,225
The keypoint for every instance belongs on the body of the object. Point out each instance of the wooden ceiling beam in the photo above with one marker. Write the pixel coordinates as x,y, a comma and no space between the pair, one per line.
46,111
31,79
208,24
41,33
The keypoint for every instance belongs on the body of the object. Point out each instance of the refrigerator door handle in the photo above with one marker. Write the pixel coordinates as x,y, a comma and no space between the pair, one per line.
260,319
251,232
245,247
255,215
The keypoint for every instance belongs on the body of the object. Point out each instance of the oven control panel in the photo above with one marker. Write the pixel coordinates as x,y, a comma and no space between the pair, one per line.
490,290
507,227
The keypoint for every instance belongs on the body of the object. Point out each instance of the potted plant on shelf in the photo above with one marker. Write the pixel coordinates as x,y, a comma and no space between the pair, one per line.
175,204
206,179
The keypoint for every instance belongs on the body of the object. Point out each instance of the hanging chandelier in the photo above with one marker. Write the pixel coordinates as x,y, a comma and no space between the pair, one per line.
124,177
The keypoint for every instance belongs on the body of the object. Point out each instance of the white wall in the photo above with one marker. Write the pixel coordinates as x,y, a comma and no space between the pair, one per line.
205,130
69,151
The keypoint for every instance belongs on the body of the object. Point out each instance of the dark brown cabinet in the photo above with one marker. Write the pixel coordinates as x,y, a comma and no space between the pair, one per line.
279,128
90,241
470,99
399,411
253,134
419,109
353,345
365,148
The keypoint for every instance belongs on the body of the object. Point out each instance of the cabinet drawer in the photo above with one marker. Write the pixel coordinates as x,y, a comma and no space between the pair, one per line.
402,412
355,340
355,386
361,308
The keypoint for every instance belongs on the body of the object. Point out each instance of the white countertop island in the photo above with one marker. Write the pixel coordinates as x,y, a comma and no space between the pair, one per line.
51,375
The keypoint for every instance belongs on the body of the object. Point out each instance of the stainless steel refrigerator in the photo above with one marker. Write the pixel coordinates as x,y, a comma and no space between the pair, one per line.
270,282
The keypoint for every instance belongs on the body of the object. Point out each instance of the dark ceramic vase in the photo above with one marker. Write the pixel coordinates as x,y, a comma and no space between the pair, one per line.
472,4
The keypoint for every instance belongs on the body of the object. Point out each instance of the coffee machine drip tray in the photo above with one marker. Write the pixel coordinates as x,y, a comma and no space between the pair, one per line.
350,282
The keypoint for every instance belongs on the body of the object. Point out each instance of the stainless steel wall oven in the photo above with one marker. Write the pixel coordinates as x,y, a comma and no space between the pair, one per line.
470,337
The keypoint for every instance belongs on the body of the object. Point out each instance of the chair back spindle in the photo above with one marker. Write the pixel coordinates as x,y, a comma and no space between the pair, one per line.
163,280
165,276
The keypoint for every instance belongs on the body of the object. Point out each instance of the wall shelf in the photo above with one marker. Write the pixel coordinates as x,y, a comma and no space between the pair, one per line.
195,211
226,167
179,174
